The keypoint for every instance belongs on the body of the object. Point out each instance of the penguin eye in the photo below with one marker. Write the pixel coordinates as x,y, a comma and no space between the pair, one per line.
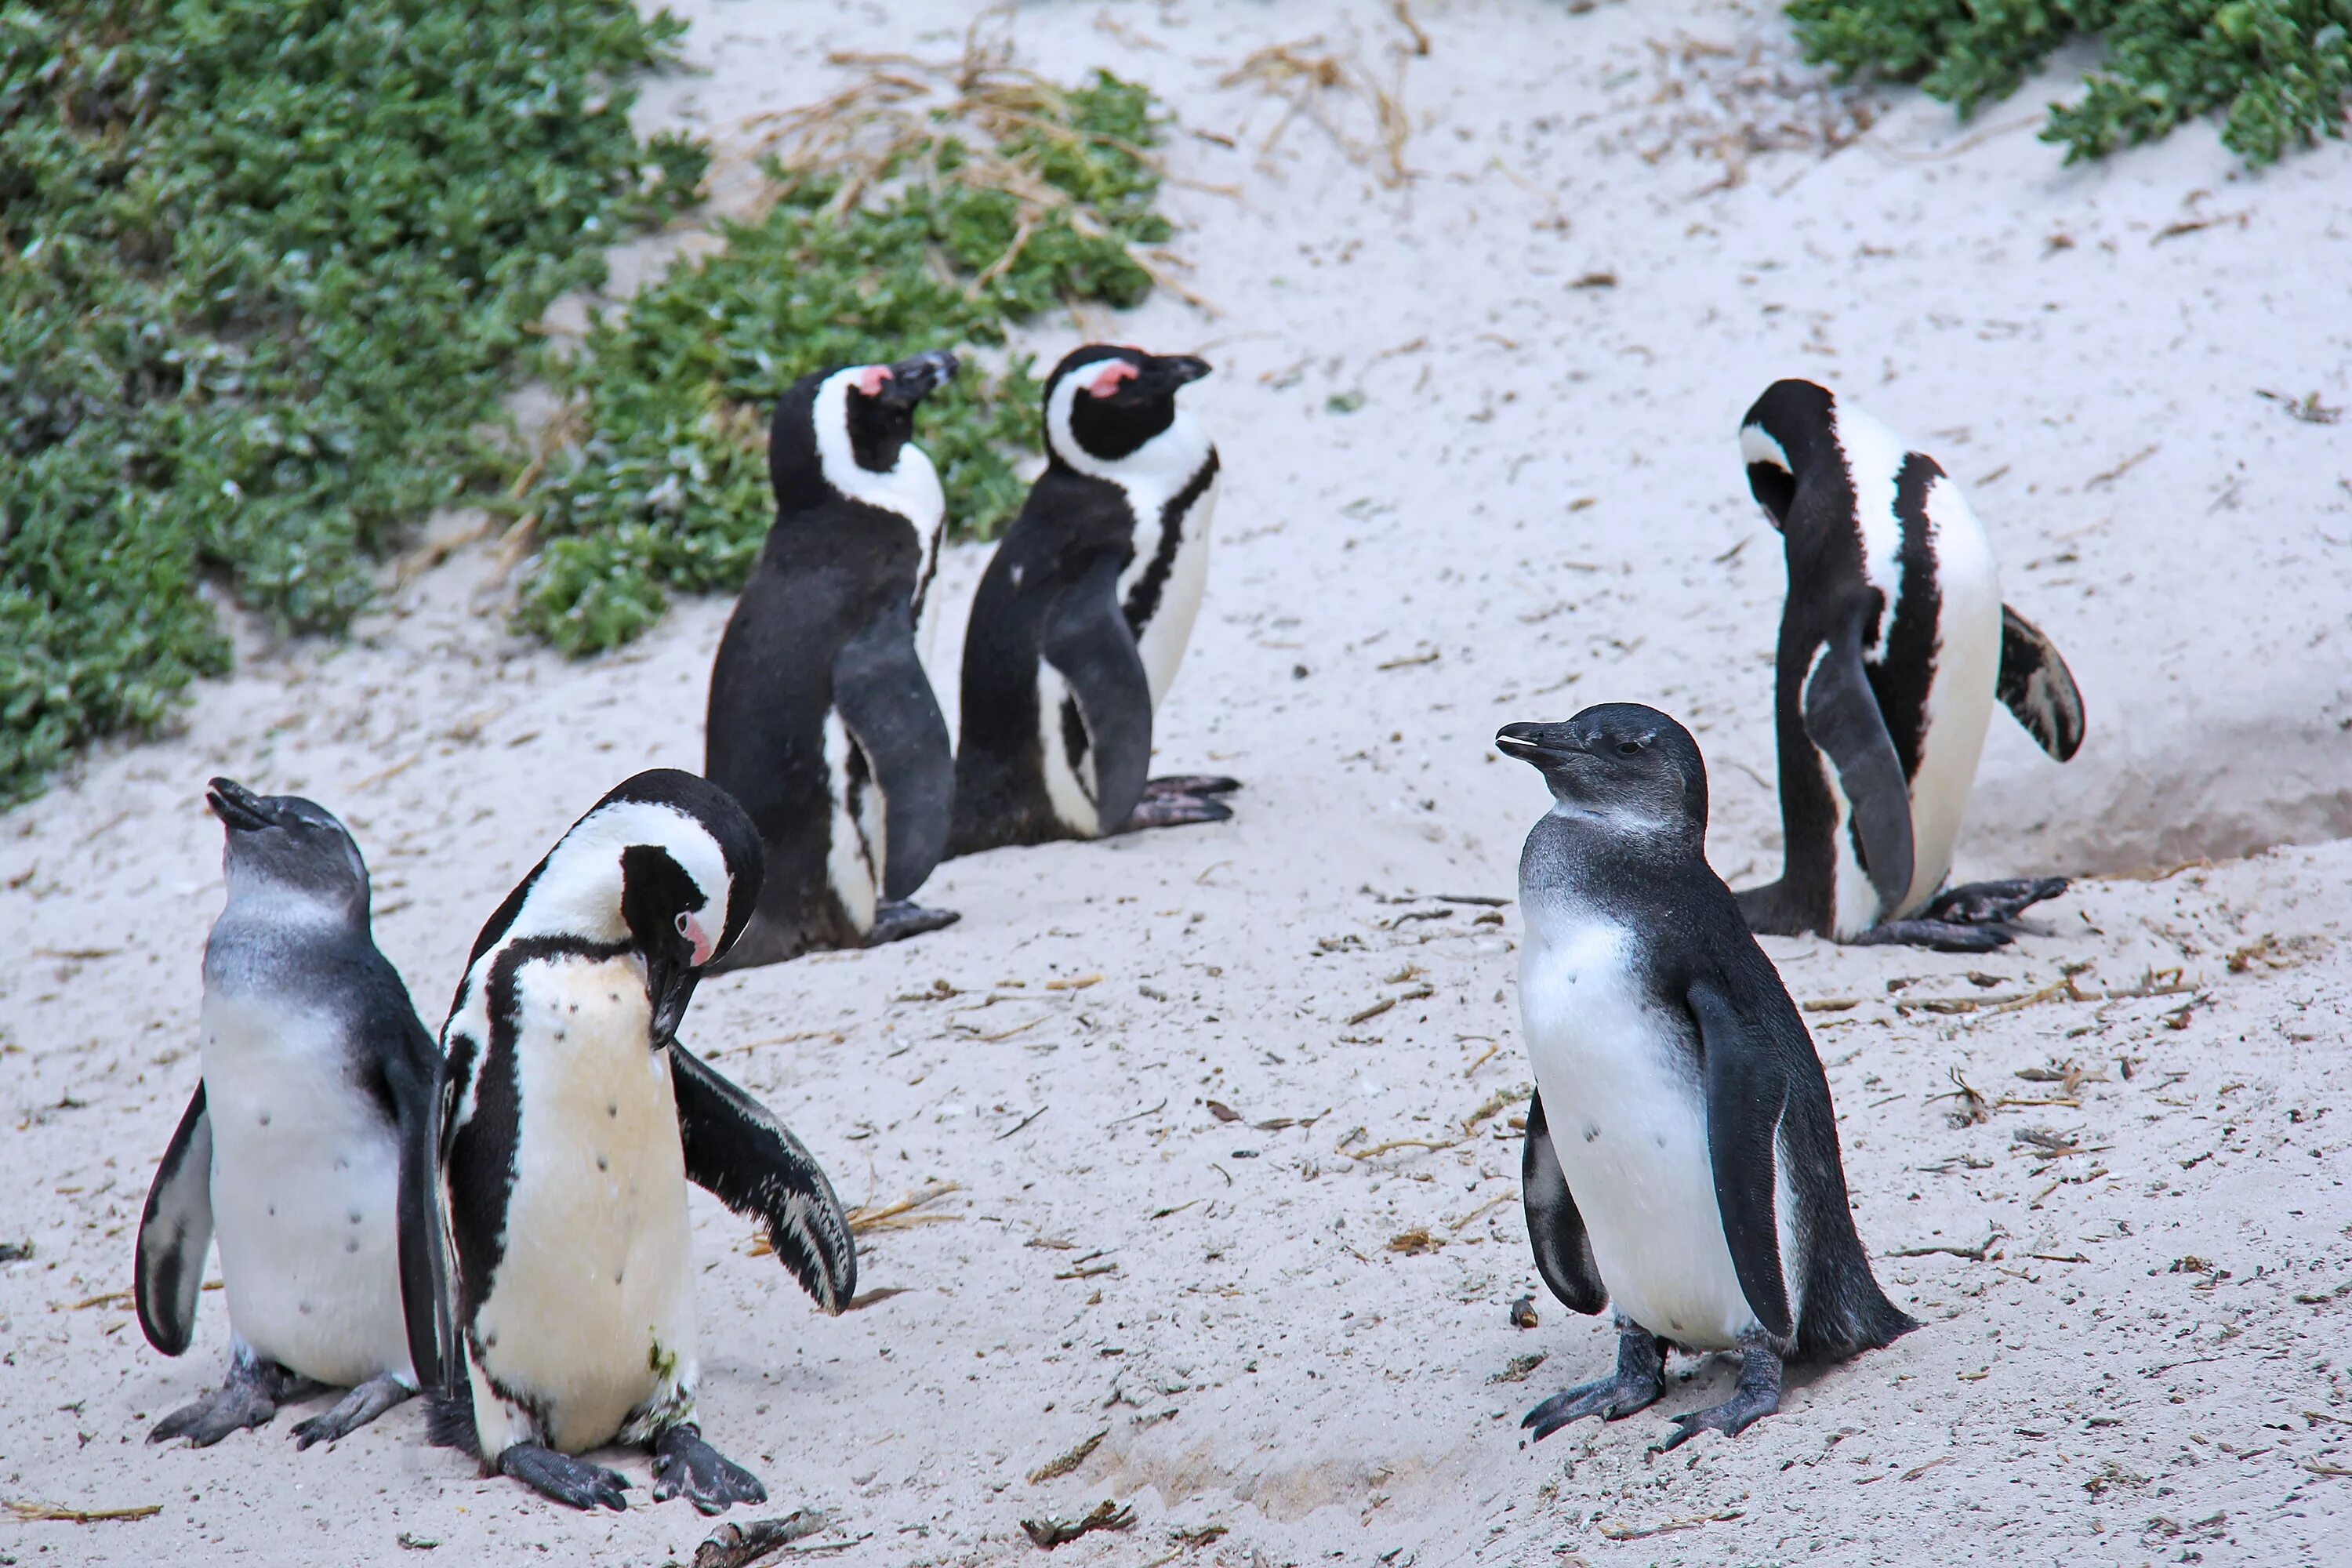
1629,748
680,923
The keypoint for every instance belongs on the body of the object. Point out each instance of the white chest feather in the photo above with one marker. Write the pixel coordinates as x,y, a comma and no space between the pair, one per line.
1170,573
305,1188
1628,1118
591,1312
856,848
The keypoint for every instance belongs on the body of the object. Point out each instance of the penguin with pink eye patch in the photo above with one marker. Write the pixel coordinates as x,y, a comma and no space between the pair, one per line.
1081,619
823,721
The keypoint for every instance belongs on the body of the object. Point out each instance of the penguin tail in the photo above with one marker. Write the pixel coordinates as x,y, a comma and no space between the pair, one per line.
1849,1315
449,1418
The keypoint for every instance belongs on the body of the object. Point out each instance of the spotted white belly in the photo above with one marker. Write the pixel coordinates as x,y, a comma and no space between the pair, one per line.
591,1312
1628,1118
305,1189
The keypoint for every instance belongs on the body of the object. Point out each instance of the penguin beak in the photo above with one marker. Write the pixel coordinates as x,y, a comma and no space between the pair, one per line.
1537,743
238,807
672,982
1161,374
912,380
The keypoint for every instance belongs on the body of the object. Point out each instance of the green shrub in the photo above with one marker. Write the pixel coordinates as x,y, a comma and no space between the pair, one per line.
2281,68
953,240
265,267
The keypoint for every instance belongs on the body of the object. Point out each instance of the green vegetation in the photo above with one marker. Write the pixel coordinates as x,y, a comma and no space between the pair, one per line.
265,268
896,228
2281,68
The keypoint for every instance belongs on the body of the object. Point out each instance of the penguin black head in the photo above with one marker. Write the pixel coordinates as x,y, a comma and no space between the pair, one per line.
281,846
1793,423
847,432
1106,400
666,864
1631,768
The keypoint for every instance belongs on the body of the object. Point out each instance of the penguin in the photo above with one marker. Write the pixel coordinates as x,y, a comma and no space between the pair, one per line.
571,1119
822,720
1893,643
307,1147
1693,1182
1081,617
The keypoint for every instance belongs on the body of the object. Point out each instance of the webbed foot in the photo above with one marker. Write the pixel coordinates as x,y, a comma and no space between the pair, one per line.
1190,784
1174,811
1992,903
686,1466
564,1478
1943,936
1640,1379
352,1412
1758,1395
897,920
248,1397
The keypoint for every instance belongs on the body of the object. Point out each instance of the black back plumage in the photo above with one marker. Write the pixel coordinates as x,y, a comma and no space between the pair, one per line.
1632,846
832,603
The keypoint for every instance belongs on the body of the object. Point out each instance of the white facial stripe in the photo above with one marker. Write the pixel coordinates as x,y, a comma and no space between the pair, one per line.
909,487
1873,458
1756,446
579,893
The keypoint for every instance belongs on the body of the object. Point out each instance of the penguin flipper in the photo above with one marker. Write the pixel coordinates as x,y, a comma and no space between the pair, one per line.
1843,718
1087,640
413,1071
887,703
1555,1228
1747,1091
740,1154
2036,686
174,1229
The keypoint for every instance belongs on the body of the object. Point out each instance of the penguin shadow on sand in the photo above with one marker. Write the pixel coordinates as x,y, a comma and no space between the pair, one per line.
1681,1165
1893,645
307,1148
1081,617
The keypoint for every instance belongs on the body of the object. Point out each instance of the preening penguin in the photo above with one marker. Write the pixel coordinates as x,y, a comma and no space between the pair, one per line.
571,1119
1893,643
308,1146
1083,615
822,720
1682,1153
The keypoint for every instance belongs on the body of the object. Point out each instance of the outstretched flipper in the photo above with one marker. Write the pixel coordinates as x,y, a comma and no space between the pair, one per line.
2036,686
1563,1251
744,1156
1843,718
1086,640
886,701
175,1230
1747,1091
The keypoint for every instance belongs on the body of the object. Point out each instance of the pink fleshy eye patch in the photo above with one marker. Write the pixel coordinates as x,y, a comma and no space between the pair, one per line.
1107,380
873,379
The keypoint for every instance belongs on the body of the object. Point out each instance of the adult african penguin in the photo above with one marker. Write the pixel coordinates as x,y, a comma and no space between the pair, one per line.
1682,1152
571,1119
1893,643
821,719
1081,617
307,1147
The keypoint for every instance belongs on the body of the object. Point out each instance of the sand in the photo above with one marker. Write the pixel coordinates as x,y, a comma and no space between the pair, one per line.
2133,1335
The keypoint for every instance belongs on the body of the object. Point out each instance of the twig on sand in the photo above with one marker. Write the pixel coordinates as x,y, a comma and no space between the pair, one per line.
28,1512
1631,1533
1977,1253
1377,1150
1974,1107
1050,1532
1069,1461
740,1545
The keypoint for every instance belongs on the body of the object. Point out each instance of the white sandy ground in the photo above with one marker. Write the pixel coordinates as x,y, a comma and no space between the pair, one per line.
2144,1367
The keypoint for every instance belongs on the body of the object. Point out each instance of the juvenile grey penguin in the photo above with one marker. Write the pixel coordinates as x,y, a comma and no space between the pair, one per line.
1893,643
571,1121
307,1147
1084,614
823,721
1681,1154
